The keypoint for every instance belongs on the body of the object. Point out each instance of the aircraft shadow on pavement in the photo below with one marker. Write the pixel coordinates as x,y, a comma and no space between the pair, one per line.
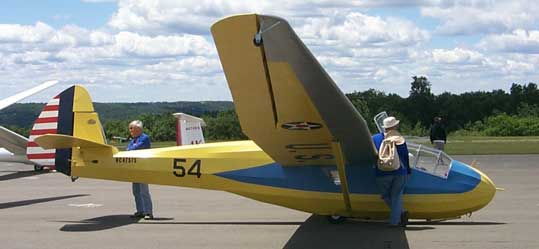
316,232
114,221
103,223
99,223
35,201
21,174
238,223
458,223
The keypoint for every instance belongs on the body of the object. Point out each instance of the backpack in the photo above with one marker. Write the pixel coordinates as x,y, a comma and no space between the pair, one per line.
388,158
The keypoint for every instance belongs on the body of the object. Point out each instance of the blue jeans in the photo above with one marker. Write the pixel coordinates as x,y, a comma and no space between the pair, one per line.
392,187
143,200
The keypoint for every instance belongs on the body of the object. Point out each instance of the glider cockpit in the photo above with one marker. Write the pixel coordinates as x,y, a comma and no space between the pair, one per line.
429,160
421,157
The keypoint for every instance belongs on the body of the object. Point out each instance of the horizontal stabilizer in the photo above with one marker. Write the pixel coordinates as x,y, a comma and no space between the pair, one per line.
58,141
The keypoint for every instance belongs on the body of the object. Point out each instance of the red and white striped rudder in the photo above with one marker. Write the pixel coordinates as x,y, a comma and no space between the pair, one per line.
46,123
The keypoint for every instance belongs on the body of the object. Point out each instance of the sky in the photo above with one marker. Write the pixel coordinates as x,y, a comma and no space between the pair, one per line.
162,50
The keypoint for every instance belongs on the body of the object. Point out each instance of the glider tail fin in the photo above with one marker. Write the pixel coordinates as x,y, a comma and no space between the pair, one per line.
70,114
189,129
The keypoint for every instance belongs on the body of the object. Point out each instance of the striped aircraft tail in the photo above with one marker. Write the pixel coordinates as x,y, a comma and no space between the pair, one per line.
46,123
70,113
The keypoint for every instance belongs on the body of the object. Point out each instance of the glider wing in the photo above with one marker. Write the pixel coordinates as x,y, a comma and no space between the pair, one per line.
286,102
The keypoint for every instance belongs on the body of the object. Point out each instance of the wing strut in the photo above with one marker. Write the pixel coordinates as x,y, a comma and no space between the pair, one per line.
339,159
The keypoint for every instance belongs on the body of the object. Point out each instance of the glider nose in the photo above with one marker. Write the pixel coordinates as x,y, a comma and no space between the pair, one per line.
486,189
478,189
490,187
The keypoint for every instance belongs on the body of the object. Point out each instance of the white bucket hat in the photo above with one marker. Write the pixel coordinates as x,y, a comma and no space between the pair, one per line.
390,122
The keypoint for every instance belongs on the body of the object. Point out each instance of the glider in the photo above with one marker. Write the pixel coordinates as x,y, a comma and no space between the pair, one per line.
310,150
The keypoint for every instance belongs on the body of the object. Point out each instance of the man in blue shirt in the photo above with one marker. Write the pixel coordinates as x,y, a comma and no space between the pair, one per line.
392,183
143,200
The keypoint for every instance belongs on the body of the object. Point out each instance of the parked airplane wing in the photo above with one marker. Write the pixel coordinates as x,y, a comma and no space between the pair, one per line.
284,99
22,95
12,141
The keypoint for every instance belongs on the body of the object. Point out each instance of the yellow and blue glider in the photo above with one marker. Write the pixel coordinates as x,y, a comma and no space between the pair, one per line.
310,149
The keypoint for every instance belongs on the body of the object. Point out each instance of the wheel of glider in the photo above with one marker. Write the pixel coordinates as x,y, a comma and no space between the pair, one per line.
335,219
38,168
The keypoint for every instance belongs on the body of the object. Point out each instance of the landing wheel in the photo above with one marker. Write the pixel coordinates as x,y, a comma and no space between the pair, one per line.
335,219
38,168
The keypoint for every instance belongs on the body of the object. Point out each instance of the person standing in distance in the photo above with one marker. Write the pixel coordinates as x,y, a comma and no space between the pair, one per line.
438,136
391,183
141,191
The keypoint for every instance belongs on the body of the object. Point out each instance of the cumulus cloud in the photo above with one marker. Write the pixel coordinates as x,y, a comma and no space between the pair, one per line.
167,16
31,57
40,32
519,41
195,17
360,30
45,37
482,16
165,46
159,46
457,56
512,67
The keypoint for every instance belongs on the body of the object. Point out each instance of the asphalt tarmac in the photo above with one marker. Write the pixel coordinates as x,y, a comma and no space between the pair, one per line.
49,211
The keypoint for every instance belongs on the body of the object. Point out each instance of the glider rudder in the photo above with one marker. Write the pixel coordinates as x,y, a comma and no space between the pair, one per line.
72,115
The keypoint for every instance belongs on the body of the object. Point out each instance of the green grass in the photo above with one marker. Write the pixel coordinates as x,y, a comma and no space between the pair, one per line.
456,145
474,145
123,145
163,144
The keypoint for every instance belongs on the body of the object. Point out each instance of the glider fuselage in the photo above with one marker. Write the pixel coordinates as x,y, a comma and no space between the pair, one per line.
243,168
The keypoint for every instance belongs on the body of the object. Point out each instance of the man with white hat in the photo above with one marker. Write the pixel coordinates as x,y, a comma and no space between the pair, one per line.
391,182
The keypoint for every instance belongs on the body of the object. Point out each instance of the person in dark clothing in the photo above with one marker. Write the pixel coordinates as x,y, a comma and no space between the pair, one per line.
438,137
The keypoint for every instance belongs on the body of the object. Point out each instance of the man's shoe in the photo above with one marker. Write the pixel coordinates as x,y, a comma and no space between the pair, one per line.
404,219
137,215
148,217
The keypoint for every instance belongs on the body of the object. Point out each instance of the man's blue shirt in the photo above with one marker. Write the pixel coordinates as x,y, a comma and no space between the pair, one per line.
402,150
140,142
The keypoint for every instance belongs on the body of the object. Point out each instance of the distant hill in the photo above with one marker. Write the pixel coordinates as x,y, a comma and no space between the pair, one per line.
23,115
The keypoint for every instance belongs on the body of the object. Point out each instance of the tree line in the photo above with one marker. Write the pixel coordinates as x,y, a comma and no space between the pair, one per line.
478,112
492,113
220,125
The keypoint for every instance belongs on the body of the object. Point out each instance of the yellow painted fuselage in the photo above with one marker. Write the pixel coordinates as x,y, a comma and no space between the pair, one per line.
243,168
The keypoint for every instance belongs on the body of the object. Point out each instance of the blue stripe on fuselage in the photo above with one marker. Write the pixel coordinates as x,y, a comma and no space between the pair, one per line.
361,180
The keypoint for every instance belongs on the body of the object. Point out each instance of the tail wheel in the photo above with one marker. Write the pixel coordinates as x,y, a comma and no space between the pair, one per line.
38,168
335,219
